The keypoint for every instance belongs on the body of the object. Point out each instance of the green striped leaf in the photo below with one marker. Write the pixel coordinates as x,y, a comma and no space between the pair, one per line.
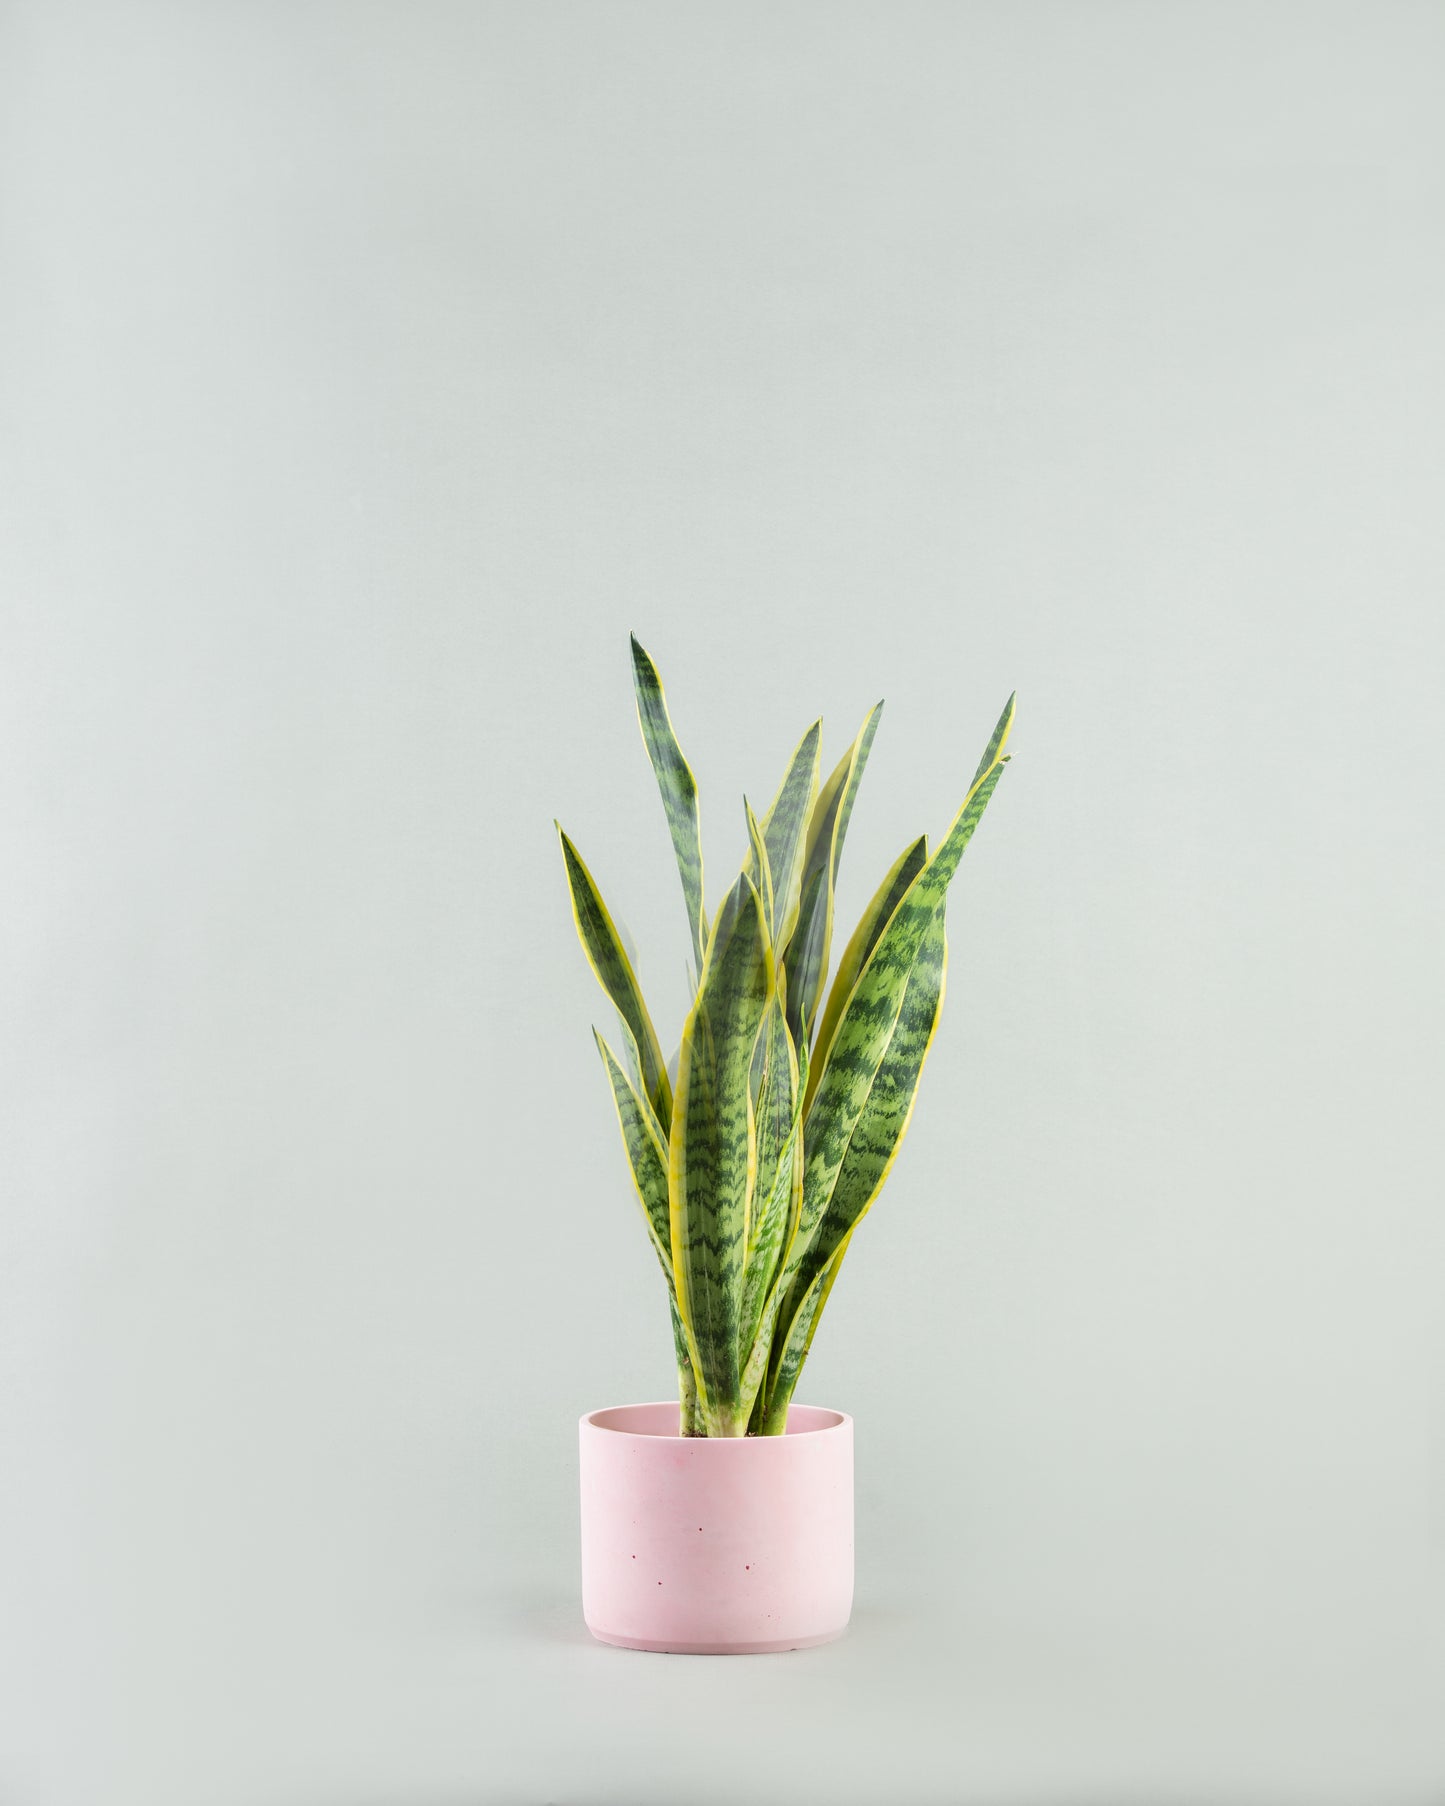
647,1162
785,829
777,1119
678,787
866,1026
763,1299
689,1423
646,1154
712,1151
760,868
876,996
885,900
877,1132
772,1420
603,946
993,752
808,947
803,958
887,1021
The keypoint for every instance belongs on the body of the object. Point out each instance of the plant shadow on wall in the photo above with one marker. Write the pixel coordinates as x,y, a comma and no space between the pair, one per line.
759,1148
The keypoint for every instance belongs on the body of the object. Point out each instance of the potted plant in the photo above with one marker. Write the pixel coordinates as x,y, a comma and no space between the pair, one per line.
724,1523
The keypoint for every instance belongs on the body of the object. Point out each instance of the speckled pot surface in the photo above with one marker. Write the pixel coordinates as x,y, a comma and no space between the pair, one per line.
716,1546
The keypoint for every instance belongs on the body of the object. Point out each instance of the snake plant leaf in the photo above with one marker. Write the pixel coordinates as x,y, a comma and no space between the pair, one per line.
678,787
712,1152
777,1119
993,752
647,1162
777,1395
866,1026
629,1042
603,947
850,769
806,957
687,1415
804,951
877,1131
785,830
646,1154
760,868
886,899
763,1299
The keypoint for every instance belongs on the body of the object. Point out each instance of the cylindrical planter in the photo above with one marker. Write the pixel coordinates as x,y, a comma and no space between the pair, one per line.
697,1545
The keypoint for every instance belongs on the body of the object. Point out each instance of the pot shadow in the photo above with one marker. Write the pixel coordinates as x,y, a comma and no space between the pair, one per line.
556,1619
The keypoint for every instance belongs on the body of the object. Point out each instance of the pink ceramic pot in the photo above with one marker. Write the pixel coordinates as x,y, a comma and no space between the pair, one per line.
716,1546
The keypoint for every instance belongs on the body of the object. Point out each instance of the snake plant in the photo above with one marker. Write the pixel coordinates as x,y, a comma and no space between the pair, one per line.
756,1155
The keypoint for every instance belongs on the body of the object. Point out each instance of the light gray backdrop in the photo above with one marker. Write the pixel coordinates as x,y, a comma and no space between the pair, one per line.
368,373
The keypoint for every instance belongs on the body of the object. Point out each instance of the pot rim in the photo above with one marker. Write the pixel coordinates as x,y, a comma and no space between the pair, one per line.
594,1420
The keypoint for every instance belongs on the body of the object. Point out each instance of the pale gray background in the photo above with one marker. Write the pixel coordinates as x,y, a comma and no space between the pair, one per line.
368,372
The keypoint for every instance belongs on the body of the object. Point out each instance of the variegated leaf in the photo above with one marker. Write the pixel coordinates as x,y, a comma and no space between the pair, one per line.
646,1154
863,1041
785,830
808,947
877,1132
678,787
777,1117
760,868
772,1420
603,947
864,938
647,1162
998,739
688,1421
867,1019
713,1151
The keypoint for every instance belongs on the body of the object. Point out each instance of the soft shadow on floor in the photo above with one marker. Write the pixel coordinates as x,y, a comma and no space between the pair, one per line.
556,1618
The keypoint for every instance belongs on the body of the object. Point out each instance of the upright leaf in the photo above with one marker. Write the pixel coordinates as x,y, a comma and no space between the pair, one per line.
874,1138
603,947
688,1422
760,868
785,831
862,1041
713,1151
885,900
647,1162
646,1155
777,1118
866,1026
806,957
1003,727
792,1351
678,787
